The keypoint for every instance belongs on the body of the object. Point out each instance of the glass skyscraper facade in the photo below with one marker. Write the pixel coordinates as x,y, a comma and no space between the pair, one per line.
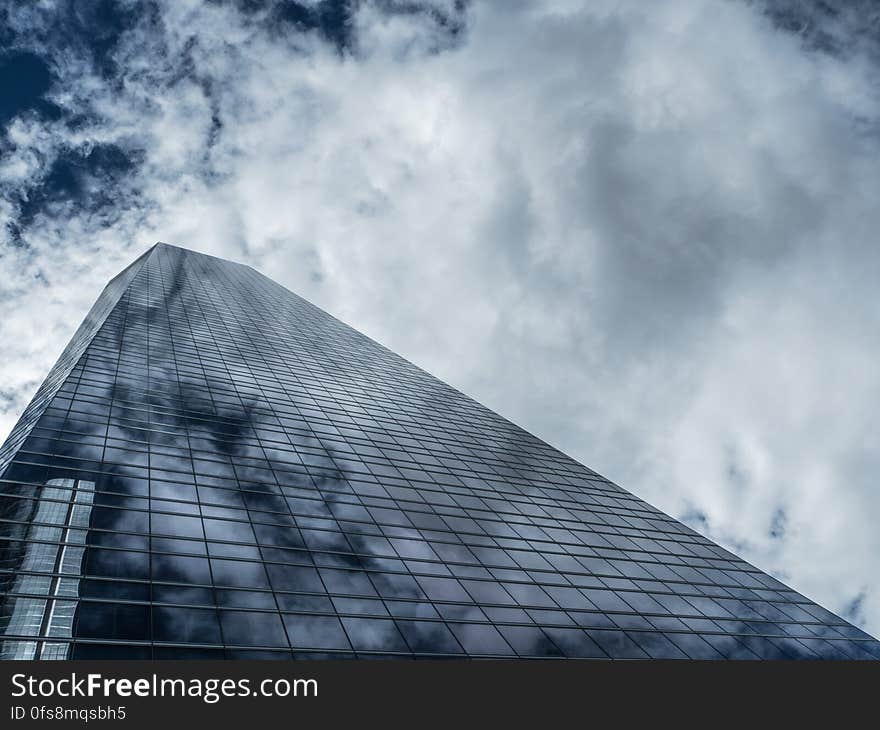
216,468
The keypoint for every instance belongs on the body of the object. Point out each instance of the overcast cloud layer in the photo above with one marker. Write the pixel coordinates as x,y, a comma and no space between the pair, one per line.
645,231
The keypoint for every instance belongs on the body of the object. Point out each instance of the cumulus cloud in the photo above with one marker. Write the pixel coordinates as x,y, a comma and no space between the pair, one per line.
643,231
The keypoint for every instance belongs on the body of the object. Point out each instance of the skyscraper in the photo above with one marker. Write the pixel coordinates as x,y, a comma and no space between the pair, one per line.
217,468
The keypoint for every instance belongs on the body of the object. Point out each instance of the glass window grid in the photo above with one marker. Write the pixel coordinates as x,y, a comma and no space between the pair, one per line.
197,377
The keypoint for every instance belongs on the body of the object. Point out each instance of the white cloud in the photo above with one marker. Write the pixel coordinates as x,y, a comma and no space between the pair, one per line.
644,231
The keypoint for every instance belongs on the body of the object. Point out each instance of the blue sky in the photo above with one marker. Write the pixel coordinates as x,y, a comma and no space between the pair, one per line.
644,231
